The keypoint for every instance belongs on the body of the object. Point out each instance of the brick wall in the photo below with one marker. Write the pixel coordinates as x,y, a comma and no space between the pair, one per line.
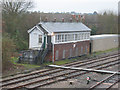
68,50
49,56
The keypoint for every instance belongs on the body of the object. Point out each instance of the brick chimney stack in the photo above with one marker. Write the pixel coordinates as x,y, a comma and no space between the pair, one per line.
46,19
77,20
54,19
62,19
70,19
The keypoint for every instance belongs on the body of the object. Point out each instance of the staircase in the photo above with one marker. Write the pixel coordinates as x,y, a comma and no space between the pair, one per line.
39,59
34,56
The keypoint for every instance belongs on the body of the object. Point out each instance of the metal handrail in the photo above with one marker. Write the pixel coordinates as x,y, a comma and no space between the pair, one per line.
39,53
44,54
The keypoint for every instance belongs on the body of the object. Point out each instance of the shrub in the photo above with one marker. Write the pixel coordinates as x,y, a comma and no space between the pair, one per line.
8,47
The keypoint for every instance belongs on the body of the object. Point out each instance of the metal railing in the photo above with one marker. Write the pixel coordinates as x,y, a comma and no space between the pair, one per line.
44,54
38,57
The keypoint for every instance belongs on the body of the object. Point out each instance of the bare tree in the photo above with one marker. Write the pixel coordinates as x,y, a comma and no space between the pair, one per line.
16,6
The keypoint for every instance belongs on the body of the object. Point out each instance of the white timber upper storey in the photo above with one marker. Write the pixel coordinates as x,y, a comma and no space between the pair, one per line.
60,32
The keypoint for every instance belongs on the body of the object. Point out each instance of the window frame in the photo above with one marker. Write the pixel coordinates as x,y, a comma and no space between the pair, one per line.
71,37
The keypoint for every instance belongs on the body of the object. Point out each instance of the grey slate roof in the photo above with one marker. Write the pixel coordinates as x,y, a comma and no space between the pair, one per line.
49,27
64,27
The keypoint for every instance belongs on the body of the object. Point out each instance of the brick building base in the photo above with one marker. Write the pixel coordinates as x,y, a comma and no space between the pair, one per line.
68,50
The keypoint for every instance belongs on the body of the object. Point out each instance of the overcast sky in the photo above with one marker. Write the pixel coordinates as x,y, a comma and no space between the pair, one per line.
81,6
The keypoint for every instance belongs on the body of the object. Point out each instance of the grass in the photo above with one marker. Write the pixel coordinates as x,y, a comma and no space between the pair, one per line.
14,59
27,66
106,51
64,61
60,62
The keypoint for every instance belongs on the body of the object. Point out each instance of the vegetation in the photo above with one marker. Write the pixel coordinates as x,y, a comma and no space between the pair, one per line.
103,23
106,51
8,47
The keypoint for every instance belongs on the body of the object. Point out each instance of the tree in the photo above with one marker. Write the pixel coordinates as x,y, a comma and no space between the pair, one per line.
8,47
94,30
13,16
15,7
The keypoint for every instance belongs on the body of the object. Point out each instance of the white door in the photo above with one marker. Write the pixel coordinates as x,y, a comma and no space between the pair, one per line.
33,40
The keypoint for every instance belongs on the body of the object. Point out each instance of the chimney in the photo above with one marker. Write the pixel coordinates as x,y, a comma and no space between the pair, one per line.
77,19
54,19
79,16
46,19
70,19
62,19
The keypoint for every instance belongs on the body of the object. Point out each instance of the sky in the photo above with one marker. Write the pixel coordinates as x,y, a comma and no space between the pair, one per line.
80,6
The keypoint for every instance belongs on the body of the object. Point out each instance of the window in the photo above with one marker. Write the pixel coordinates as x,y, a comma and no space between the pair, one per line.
56,55
71,52
63,53
85,35
59,38
63,38
40,38
66,39
71,37
76,35
56,38
86,49
81,49
76,51
82,36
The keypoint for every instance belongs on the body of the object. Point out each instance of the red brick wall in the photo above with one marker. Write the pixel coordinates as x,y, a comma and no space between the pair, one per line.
68,46
49,56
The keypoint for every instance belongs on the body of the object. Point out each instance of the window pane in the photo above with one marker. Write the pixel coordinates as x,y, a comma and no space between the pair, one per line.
63,38
76,36
59,38
40,38
56,38
56,55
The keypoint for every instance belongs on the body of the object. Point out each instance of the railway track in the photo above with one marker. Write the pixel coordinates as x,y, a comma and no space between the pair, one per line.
107,83
71,74
25,80
39,71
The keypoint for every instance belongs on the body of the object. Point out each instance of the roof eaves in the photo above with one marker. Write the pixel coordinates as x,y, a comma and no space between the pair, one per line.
30,30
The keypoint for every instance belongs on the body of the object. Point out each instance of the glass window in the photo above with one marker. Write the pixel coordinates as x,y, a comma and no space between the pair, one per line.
71,52
63,53
63,38
40,38
56,38
59,38
72,37
66,37
69,37
79,36
76,35
81,49
56,55
86,48
84,35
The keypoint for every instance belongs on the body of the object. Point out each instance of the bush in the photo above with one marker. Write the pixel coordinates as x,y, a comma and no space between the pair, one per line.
8,47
